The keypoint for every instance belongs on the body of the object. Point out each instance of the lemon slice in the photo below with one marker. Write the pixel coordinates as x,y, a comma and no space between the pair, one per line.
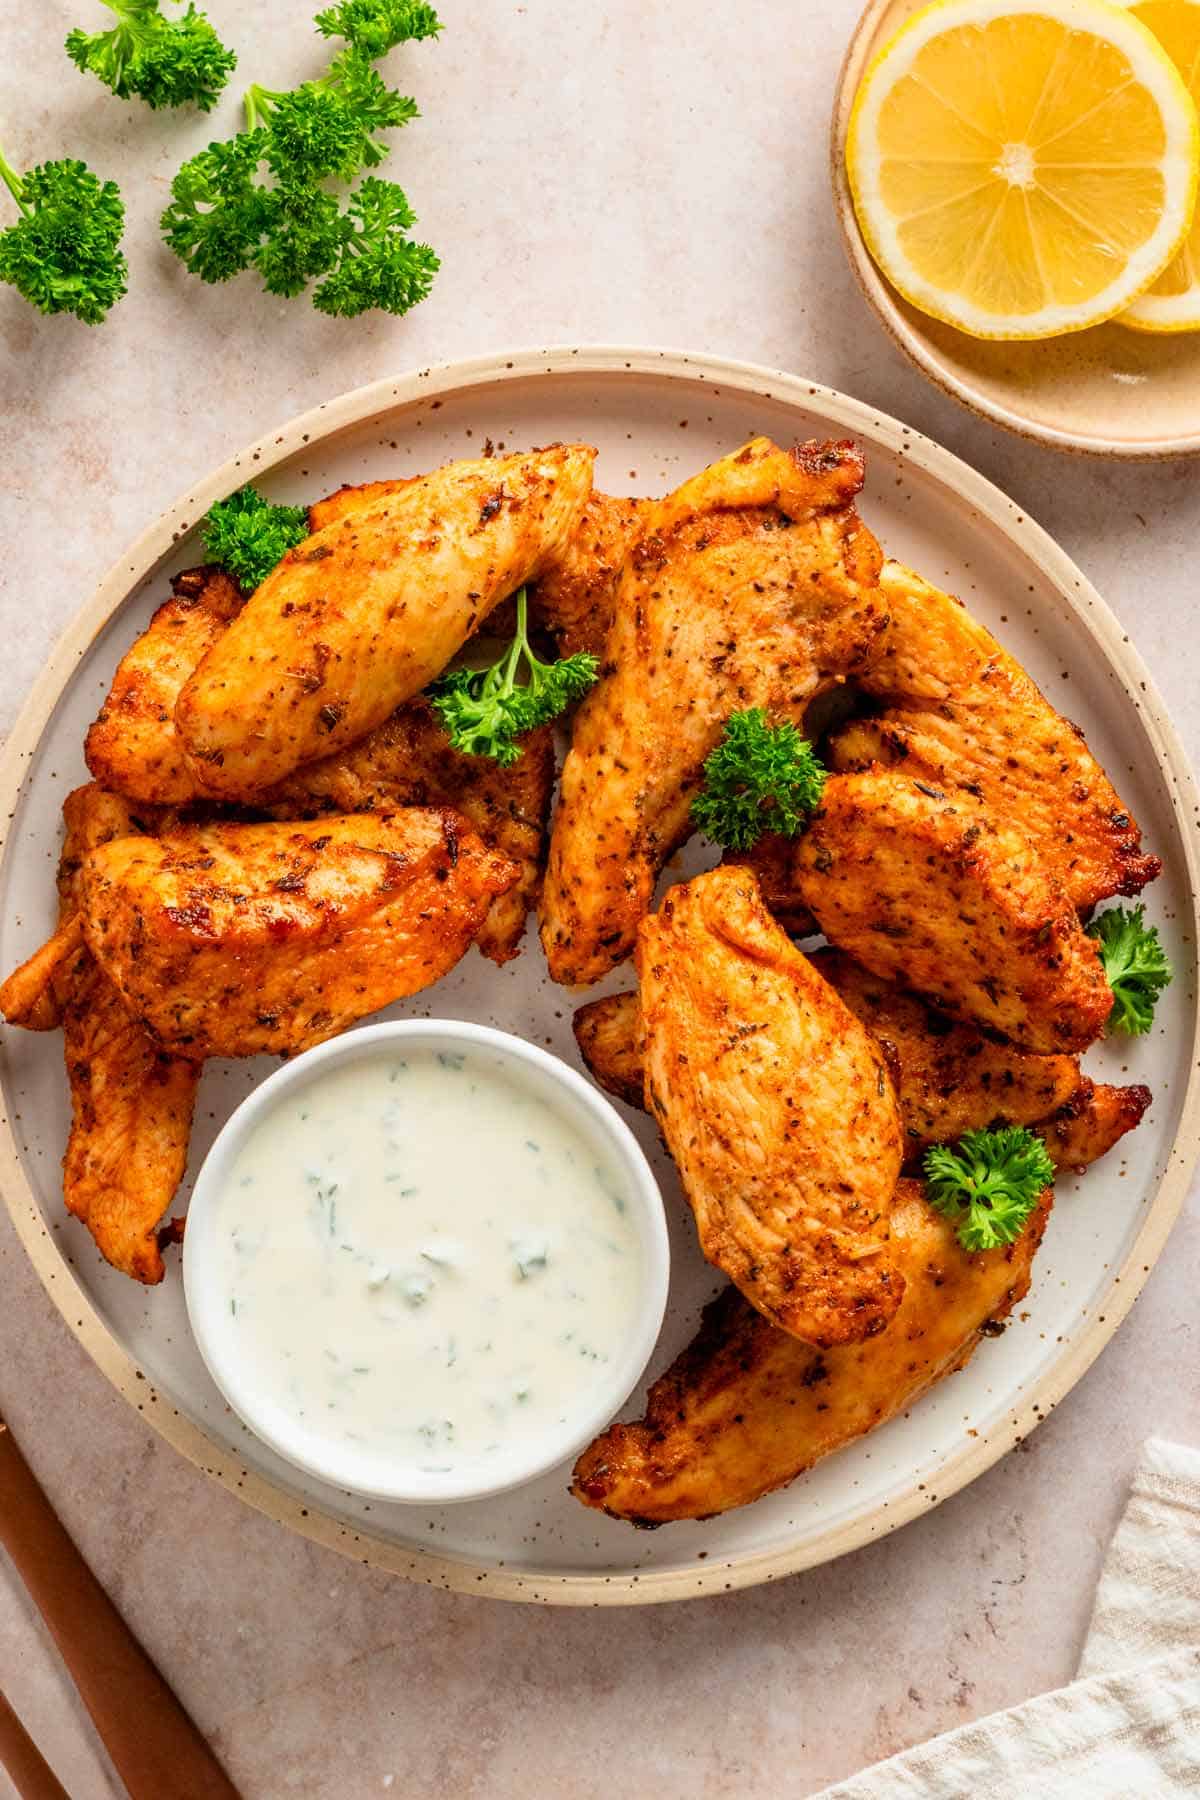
1023,172
1172,303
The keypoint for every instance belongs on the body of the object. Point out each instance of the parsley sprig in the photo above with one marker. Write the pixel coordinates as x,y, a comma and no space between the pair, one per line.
226,216
64,252
164,61
485,711
989,1184
1135,966
248,535
759,778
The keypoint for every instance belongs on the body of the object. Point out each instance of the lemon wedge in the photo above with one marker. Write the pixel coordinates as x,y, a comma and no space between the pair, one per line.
1023,172
1172,303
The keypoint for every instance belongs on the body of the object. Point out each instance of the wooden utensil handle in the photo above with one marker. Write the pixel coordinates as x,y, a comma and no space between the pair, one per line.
28,1769
158,1752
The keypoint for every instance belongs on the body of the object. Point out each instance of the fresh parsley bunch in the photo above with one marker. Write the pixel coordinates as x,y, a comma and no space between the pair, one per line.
291,227
248,535
989,1184
164,61
485,711
1135,966
64,252
759,778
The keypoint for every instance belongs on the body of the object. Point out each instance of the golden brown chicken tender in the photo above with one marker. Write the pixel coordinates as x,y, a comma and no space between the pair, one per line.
746,1408
409,761
132,747
131,1103
573,595
231,940
406,761
777,1108
929,890
752,585
363,614
1094,1119
959,711
949,1077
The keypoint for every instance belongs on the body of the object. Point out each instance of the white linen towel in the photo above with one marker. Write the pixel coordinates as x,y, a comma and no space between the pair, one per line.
1128,1728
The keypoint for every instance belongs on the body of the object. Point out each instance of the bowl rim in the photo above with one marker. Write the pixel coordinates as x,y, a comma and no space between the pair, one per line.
205,1296
883,301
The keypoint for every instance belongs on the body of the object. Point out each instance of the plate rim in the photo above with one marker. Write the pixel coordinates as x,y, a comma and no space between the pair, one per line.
464,1574
882,300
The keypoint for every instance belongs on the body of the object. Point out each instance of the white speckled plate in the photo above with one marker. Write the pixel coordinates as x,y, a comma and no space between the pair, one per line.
656,416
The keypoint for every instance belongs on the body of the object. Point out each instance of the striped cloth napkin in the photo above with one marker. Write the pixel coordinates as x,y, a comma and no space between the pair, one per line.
1128,1726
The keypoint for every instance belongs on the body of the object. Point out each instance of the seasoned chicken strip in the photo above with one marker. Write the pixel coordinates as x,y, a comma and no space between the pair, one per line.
573,596
609,1035
364,613
132,747
777,1108
409,761
949,1078
752,585
576,592
27,996
746,1408
1089,1124
928,889
960,712
131,1103
406,761
352,497
231,940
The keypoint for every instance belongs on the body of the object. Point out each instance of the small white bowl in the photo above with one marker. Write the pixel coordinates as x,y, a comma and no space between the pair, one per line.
379,1474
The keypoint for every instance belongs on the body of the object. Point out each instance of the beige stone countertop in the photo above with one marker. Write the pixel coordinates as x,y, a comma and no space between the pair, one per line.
600,171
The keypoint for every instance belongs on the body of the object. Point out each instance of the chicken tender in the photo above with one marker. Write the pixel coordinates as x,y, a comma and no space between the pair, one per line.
406,761
949,1078
231,940
752,585
364,613
573,596
409,761
777,1108
132,748
928,889
131,1103
746,1408
1094,1119
958,711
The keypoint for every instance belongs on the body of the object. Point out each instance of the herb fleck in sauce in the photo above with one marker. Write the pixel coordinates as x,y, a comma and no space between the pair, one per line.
422,1254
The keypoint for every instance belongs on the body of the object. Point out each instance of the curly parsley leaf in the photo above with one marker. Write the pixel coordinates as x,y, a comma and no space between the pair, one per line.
989,1184
376,26
1135,965
164,61
759,778
486,711
262,201
379,266
64,253
217,215
248,535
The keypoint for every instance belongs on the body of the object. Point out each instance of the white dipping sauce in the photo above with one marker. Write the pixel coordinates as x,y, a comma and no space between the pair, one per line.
424,1258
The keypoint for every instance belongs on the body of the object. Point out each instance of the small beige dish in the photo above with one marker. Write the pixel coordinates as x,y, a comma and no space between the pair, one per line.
1108,391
